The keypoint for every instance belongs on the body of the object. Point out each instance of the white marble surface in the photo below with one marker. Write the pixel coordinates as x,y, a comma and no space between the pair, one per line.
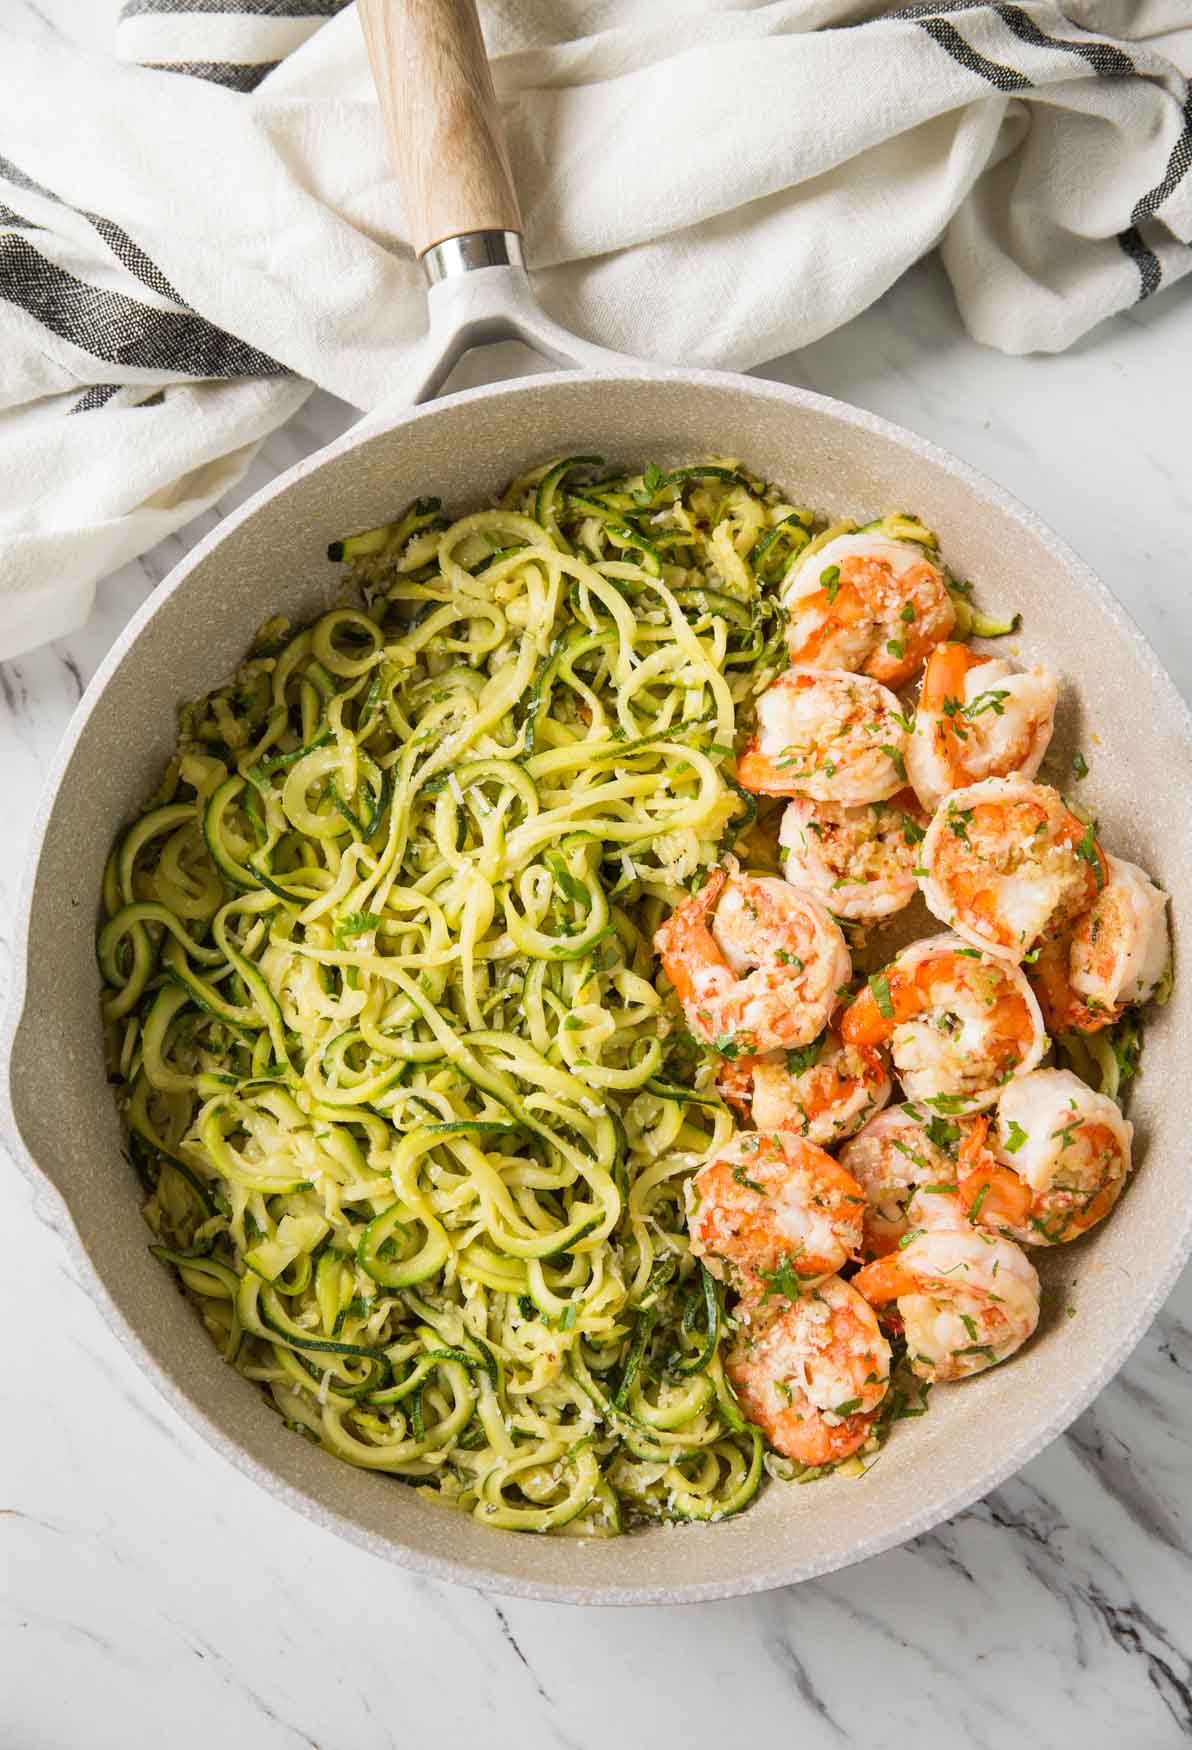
150,1593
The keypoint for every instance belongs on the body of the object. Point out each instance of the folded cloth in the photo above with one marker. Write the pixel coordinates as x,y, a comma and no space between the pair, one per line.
188,244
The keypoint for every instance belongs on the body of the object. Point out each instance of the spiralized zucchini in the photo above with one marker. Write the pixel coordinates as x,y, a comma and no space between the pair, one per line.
381,1000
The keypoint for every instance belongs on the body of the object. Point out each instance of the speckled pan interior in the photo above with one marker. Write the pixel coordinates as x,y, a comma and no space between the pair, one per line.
1118,705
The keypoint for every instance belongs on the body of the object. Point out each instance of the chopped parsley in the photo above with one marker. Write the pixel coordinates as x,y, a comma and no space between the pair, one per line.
895,758
732,1045
1080,766
742,1178
943,1134
1015,1138
801,1058
830,578
1088,853
988,701
879,984
948,1102
784,1280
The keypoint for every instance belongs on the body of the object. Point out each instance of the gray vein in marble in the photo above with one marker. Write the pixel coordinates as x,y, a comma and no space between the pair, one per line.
167,1430
1140,1636
1115,1469
203,1649
781,1649
511,1638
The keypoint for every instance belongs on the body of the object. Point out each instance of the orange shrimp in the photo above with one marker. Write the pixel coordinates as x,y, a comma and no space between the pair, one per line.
978,717
827,734
824,1091
1112,957
756,965
774,1212
1056,1164
866,602
812,1374
1006,863
859,860
959,1024
903,1151
967,1300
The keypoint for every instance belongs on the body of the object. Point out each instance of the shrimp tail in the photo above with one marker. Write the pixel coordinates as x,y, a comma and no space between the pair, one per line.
885,1279
759,776
1063,1011
734,1083
685,943
990,1192
869,1021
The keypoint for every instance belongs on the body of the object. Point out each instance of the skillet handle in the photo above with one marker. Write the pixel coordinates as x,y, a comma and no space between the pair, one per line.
441,117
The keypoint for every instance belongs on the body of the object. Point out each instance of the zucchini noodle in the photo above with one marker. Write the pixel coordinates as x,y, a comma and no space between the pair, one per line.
382,1009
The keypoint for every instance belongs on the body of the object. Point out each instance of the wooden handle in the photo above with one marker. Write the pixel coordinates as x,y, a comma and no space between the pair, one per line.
436,91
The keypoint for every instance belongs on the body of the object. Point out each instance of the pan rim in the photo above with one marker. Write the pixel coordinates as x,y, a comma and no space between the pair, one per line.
482,1576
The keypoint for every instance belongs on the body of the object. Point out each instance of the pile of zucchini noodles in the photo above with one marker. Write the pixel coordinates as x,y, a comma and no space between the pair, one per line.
413,1115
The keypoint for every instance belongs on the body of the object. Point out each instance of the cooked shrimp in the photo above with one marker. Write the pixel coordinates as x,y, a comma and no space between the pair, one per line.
959,1024
1007,863
823,1091
966,1299
773,1212
822,733
1054,1164
859,860
812,1374
865,602
899,1151
978,717
756,965
1114,955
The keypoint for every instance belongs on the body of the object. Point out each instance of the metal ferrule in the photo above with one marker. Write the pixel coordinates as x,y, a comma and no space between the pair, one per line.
455,256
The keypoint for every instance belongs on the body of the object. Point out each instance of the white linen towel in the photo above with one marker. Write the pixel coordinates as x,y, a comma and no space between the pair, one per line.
189,243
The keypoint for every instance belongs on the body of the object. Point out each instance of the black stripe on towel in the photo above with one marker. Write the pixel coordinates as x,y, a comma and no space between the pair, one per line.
119,329
236,75
13,173
1178,166
8,217
951,41
98,395
1106,59
128,253
234,8
929,9
1150,268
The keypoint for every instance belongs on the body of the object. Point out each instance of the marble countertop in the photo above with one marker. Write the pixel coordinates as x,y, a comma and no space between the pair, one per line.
148,1590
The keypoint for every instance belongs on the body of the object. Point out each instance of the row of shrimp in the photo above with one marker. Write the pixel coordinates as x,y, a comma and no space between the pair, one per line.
934,1197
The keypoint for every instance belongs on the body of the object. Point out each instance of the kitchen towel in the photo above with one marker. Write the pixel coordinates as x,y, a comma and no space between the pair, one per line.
194,235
